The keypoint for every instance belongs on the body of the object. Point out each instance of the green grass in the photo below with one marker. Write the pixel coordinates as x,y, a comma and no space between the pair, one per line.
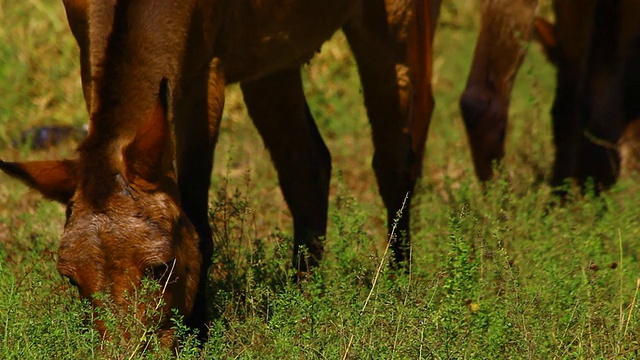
495,272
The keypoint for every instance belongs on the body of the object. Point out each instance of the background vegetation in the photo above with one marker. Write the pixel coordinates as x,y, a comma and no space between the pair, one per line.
494,273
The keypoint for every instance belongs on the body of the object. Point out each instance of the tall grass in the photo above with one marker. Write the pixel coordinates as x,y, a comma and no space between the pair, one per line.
495,272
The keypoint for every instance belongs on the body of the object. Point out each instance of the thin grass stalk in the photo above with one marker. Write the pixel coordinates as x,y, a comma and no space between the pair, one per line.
631,306
392,237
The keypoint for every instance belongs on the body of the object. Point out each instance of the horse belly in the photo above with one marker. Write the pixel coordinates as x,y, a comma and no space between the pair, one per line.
264,36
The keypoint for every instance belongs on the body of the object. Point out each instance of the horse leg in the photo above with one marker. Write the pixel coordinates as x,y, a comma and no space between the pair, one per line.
397,95
197,125
279,110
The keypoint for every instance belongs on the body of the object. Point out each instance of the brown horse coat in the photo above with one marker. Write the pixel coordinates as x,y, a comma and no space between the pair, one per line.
147,64
505,30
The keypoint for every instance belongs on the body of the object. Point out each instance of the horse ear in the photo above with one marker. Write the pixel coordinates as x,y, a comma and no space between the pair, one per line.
545,35
55,180
145,155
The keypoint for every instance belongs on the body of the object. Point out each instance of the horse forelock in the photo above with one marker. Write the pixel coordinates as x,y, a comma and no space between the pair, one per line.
97,170
126,74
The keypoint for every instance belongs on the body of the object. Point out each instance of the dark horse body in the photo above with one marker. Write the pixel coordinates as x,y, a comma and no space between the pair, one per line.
595,46
147,63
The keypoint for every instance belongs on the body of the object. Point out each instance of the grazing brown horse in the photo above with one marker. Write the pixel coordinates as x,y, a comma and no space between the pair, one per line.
505,31
595,46
137,194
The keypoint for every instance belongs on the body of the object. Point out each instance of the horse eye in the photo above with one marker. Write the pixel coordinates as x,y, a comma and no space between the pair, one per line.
72,281
161,272
158,272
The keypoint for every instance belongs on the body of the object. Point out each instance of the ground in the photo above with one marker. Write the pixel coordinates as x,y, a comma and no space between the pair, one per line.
495,272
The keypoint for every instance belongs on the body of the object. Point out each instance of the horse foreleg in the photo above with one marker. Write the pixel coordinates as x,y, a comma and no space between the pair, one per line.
197,124
278,108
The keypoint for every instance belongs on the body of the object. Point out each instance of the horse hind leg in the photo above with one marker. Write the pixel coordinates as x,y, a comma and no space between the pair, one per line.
385,65
393,157
279,110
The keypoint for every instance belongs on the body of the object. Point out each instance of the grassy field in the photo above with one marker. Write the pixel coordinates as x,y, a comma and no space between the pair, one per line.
494,274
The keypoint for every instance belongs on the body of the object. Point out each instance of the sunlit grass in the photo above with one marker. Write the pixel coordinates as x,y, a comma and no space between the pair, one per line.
496,272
